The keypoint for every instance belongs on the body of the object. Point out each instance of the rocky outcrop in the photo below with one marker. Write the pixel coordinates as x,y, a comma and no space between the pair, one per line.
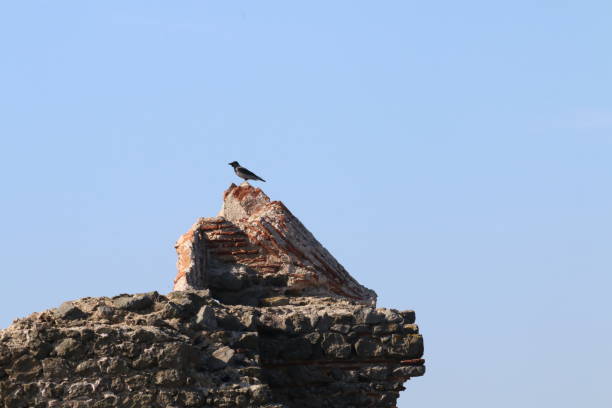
284,326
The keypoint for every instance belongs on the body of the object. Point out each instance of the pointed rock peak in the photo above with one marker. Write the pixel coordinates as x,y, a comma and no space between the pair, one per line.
242,201
256,249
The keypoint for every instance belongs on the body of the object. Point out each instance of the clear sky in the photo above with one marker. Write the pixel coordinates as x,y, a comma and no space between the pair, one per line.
455,156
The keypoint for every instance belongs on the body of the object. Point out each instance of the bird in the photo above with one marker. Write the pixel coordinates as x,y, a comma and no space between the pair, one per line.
244,173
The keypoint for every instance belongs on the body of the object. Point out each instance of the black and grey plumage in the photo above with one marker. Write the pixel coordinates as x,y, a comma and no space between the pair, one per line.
244,173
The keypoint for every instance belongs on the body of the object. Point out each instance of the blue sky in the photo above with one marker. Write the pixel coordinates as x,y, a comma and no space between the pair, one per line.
454,156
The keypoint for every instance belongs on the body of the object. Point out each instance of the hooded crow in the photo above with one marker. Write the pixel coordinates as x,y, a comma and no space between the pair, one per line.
246,174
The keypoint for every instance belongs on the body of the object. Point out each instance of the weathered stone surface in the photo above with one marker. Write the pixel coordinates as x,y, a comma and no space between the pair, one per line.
256,249
368,347
134,302
278,360
68,311
269,319
335,346
67,348
206,317
221,357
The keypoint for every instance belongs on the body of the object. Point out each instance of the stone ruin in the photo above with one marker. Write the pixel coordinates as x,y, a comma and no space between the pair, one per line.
261,315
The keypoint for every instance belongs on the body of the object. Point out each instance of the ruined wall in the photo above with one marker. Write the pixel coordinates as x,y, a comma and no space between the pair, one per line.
187,350
257,248
265,317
